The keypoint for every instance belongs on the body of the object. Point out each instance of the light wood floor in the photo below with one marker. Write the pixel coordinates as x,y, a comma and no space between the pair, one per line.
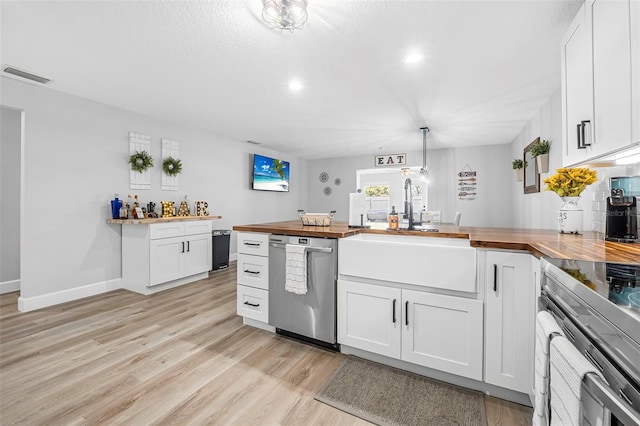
178,357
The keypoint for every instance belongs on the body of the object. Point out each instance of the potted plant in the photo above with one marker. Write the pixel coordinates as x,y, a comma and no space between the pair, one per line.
518,167
540,151
569,183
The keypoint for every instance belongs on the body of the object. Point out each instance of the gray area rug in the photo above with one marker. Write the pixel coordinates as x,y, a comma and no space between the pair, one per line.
389,396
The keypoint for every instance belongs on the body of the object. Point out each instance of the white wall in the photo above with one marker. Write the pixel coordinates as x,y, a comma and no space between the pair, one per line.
540,210
76,153
492,206
10,145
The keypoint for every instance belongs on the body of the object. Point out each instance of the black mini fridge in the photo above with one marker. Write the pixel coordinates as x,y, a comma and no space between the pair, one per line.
221,238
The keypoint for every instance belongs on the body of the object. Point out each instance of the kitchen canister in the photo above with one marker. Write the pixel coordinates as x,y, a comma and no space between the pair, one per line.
570,216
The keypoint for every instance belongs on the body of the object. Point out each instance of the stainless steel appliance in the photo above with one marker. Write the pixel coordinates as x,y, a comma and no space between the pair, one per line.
622,217
311,316
596,305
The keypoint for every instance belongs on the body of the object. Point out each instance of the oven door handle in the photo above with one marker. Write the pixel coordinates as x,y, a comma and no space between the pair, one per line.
614,403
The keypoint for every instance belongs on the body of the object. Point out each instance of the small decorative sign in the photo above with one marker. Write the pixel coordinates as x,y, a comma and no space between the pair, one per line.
391,160
467,183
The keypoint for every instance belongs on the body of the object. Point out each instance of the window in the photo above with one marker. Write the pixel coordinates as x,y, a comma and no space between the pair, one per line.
377,197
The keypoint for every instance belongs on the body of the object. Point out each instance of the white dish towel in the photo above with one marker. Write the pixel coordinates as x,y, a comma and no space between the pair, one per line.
296,269
546,329
568,368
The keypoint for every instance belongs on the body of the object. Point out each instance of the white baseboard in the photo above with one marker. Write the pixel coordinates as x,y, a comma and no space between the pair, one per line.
9,286
233,257
26,304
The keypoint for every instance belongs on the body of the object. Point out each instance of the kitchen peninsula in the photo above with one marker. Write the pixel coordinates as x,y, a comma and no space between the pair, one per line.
395,290
540,242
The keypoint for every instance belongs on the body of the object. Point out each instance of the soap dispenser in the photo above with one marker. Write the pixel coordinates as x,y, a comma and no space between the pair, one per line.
393,219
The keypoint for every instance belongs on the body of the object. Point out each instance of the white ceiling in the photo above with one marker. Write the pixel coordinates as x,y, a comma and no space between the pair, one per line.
488,66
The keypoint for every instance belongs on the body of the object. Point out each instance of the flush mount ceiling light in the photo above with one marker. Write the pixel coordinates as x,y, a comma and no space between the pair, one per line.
284,14
413,58
295,86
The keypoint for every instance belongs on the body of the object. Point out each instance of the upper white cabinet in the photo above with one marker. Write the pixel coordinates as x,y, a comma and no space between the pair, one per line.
509,321
158,256
600,80
577,90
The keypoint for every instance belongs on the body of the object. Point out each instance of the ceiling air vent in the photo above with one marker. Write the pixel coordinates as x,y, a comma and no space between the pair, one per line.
254,143
27,75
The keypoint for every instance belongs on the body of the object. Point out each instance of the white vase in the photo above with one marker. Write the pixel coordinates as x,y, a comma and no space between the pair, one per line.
543,163
570,216
519,175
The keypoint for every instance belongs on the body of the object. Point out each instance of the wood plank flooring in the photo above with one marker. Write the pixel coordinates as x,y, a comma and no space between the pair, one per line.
179,357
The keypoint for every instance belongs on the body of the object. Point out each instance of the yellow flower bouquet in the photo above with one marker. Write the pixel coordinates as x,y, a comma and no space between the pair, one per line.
570,182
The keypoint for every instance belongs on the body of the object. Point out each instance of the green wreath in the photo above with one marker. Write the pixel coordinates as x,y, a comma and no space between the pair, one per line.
172,166
141,161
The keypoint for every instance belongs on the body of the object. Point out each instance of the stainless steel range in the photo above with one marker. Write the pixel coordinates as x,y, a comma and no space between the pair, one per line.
597,305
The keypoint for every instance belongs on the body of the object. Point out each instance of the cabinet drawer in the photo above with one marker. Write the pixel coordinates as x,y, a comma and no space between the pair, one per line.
252,243
166,230
197,227
253,271
253,303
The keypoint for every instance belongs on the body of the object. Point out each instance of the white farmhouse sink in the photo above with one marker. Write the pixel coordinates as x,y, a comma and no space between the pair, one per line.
445,263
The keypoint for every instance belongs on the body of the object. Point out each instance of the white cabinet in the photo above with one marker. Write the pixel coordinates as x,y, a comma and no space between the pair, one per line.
166,262
443,332
600,80
369,317
437,331
158,256
253,276
509,320
577,90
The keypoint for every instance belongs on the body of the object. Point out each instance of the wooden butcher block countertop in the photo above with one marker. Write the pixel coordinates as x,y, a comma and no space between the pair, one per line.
540,242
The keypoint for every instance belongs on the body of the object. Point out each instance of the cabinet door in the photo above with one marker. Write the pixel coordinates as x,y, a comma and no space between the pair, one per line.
577,88
509,321
442,332
197,257
611,74
369,317
166,260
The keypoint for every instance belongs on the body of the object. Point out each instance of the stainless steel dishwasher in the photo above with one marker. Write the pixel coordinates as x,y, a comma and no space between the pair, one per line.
312,316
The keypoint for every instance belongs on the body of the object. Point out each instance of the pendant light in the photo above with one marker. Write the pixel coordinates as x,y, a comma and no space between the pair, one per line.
424,174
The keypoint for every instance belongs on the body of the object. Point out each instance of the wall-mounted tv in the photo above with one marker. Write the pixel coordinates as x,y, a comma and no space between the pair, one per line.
270,174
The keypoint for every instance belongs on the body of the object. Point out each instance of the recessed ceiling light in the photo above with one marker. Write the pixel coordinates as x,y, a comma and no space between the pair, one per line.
295,86
413,58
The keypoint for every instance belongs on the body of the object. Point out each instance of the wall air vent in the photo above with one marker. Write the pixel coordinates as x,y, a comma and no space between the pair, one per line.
254,143
27,75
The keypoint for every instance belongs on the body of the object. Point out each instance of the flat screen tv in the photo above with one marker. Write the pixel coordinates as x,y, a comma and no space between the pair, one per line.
270,174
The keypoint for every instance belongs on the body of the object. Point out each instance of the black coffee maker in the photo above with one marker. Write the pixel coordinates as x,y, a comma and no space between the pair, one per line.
622,217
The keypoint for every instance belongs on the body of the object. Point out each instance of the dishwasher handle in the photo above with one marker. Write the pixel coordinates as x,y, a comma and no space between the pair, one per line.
310,249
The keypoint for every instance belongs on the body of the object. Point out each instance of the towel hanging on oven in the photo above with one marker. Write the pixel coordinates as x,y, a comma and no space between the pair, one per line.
568,368
546,329
296,269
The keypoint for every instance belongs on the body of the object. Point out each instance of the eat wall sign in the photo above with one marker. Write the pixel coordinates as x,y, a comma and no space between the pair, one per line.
389,160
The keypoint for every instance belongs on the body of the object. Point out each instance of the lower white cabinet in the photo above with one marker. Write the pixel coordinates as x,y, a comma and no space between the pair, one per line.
253,303
162,255
369,317
432,330
253,277
443,332
510,315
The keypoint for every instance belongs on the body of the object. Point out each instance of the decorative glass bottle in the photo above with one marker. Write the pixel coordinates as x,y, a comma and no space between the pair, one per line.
570,216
